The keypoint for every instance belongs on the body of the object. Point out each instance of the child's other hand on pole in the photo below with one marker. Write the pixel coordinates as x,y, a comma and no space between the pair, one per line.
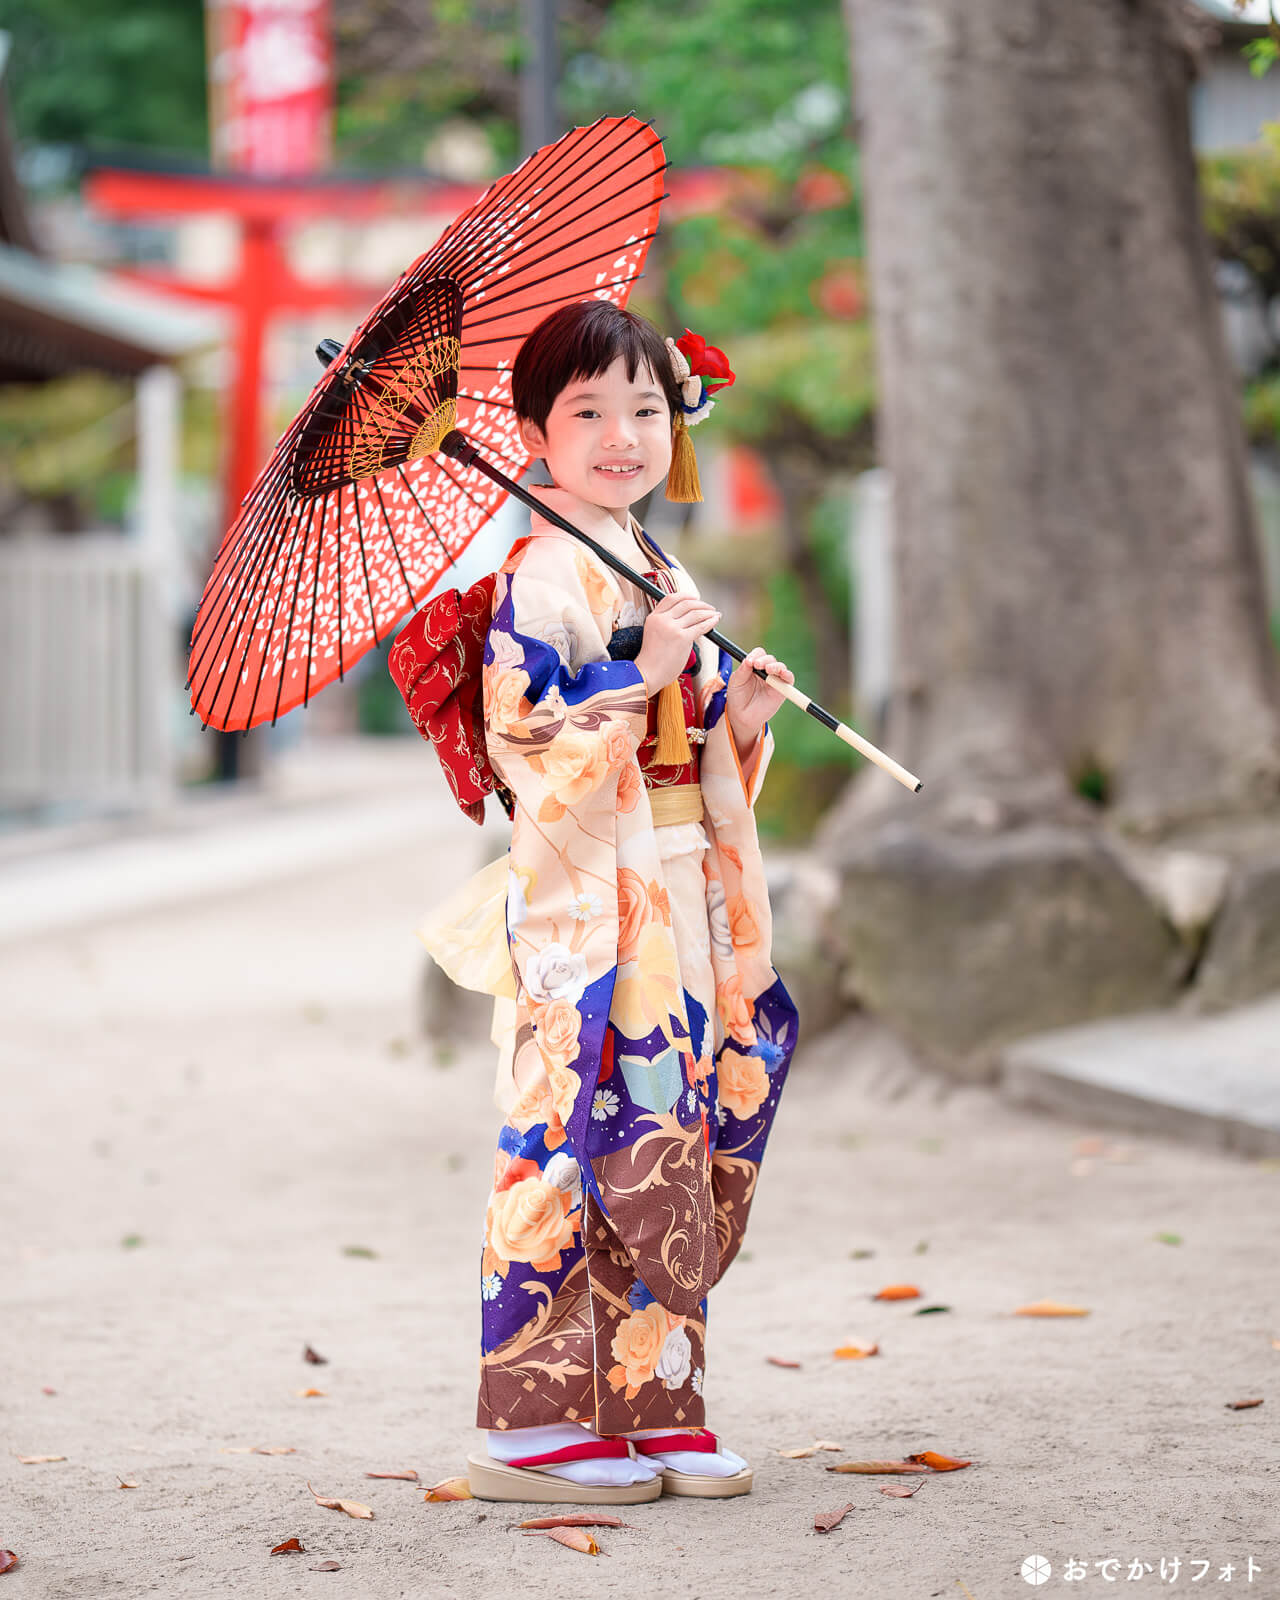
750,701
670,631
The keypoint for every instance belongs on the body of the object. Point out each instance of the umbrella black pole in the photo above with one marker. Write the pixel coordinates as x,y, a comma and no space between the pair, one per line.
458,446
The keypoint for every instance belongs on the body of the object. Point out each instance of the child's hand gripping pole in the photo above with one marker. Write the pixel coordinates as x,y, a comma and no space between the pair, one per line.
841,729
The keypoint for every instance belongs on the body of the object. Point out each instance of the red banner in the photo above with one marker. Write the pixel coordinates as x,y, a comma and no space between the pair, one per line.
270,85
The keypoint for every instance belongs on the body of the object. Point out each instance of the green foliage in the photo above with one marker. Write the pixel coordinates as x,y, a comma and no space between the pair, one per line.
742,82
1091,781
77,437
1261,401
814,377
1240,202
380,708
91,72
1261,54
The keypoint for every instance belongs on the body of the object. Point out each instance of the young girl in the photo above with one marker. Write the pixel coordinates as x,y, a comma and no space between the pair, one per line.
650,1036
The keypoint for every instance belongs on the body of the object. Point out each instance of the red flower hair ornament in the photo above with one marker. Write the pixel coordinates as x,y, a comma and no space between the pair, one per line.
700,369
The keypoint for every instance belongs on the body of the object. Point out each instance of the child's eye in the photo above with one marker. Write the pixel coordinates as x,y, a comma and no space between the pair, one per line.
644,411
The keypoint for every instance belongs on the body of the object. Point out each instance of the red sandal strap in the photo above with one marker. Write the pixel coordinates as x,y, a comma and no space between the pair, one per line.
588,1450
664,1442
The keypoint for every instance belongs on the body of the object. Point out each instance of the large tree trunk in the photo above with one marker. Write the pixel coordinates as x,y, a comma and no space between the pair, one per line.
1078,568
1079,585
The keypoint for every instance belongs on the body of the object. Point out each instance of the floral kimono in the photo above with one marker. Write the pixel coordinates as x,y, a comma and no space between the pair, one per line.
650,1035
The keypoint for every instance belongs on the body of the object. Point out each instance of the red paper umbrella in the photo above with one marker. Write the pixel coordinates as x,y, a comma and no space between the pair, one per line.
378,484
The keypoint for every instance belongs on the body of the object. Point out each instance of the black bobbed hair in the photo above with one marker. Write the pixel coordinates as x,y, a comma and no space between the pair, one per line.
581,341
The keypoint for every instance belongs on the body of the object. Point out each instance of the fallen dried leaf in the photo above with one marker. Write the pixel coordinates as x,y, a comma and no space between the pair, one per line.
781,1361
408,1474
1050,1308
926,1311
1275,1344
310,1355
8,1561
824,1521
353,1508
450,1489
307,1394
826,1444
1242,1405
574,1538
799,1455
123,1483
855,1352
33,1461
325,1566
273,1450
913,1464
577,1519
897,1291
900,1491
289,1547
939,1463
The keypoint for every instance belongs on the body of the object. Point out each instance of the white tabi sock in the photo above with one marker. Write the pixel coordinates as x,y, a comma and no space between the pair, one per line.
708,1463
609,1472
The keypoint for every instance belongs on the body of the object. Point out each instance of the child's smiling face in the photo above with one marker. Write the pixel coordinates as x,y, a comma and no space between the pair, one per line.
607,438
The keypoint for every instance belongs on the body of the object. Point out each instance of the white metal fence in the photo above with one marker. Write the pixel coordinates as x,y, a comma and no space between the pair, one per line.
86,675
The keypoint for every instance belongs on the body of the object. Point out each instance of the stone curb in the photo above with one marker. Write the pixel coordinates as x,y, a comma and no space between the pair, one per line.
1213,1081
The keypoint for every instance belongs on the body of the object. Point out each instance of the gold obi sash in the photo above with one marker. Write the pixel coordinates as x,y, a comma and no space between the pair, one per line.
678,803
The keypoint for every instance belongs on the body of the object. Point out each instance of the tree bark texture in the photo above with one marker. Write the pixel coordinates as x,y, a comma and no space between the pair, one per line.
1078,569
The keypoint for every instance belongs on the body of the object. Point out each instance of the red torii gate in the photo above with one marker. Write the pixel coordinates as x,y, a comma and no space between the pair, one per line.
264,286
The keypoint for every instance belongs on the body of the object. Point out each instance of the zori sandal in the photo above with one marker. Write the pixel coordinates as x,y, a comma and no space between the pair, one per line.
520,1480
693,1483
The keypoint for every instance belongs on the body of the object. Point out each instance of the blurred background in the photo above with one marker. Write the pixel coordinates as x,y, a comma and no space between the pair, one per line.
998,478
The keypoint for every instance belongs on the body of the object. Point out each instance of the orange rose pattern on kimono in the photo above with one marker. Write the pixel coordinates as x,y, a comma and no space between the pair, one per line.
626,1168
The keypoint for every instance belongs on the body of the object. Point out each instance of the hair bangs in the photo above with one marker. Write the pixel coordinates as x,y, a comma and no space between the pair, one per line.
579,342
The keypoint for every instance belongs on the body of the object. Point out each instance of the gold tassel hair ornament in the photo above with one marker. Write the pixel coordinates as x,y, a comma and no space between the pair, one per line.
682,478
693,361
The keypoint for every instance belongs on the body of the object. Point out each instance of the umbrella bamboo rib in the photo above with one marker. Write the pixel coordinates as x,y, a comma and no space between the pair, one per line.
386,522
293,611
315,595
226,599
265,652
